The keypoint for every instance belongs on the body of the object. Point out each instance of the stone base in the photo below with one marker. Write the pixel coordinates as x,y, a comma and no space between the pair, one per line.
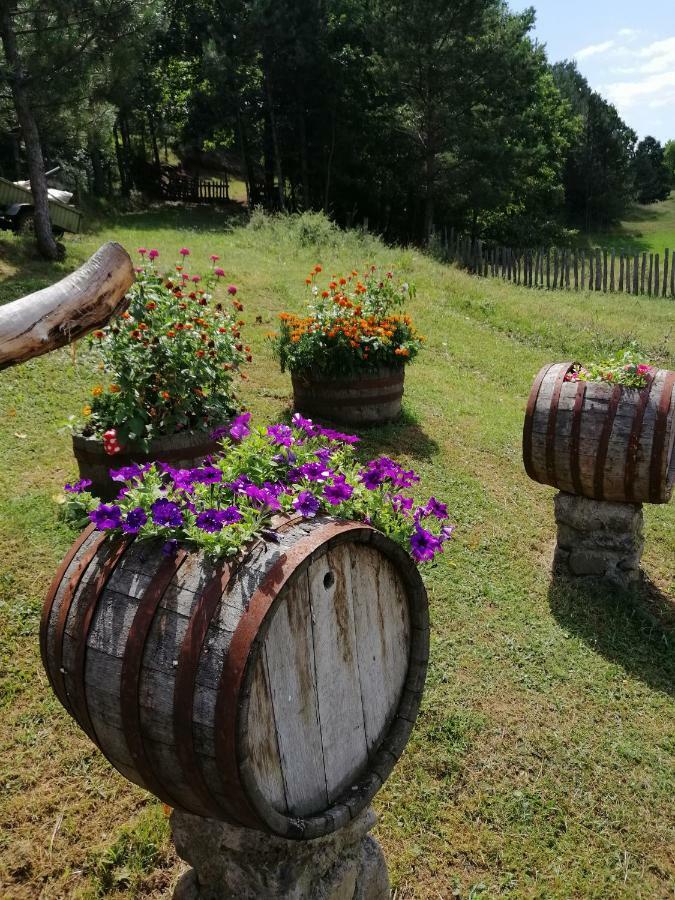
232,863
597,539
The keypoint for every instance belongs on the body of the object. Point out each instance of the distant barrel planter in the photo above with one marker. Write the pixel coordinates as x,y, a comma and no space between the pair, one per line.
276,693
366,399
602,441
183,450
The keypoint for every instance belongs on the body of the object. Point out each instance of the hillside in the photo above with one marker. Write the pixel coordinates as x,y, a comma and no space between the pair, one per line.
541,765
646,228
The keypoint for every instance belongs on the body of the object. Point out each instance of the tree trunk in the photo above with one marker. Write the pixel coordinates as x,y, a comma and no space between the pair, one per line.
31,136
275,143
124,183
64,311
304,161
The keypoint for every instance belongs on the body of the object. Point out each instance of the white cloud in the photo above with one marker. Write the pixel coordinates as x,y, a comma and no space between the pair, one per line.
594,50
628,32
652,90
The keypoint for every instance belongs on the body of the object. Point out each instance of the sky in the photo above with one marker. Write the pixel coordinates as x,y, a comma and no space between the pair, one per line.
625,50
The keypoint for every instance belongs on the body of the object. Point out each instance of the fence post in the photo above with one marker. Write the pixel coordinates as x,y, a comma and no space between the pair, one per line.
612,282
621,265
636,273
657,274
666,260
650,277
598,270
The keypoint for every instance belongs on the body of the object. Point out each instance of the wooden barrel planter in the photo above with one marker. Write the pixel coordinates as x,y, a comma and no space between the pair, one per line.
275,694
368,399
602,441
183,450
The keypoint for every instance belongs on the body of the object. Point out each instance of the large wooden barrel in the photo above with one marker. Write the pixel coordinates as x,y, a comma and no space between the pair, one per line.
601,441
182,450
276,694
368,399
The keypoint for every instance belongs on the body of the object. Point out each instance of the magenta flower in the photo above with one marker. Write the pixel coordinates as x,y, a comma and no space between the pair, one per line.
239,429
184,252
231,289
106,517
219,273
214,258
306,504
153,254
196,279
142,251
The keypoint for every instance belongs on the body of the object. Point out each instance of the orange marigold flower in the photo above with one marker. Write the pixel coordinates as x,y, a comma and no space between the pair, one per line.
318,268
98,334
308,280
199,353
325,294
401,351
171,334
151,305
165,395
125,315
114,389
86,409
97,391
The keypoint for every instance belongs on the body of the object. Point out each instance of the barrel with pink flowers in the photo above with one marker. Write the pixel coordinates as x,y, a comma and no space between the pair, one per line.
601,440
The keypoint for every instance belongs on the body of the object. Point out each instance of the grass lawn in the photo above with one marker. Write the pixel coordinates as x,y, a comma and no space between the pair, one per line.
646,228
542,762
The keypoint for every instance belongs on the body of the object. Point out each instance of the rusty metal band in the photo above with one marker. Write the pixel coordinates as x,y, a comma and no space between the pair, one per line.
85,613
575,436
51,597
565,369
132,666
659,463
237,658
634,440
603,443
347,384
64,610
529,421
186,674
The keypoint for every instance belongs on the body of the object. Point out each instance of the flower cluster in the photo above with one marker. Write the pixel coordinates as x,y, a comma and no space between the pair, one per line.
351,326
168,363
625,368
300,469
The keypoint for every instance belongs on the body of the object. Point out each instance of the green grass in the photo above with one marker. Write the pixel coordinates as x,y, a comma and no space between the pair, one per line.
646,228
542,762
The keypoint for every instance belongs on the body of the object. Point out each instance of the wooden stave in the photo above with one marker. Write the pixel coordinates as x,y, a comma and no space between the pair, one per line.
364,399
312,826
651,484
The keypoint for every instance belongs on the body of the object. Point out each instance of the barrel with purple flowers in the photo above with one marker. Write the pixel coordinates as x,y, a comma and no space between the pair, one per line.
276,691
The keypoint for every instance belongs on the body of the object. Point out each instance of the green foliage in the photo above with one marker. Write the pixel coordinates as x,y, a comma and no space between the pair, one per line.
624,367
650,172
169,361
352,327
669,159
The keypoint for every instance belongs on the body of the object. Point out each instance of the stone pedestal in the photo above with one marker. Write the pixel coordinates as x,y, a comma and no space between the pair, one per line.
597,539
231,863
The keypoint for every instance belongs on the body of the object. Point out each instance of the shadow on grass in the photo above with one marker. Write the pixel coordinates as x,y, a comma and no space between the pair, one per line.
28,270
403,436
181,217
635,629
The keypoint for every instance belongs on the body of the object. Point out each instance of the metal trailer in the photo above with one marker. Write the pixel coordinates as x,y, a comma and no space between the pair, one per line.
16,211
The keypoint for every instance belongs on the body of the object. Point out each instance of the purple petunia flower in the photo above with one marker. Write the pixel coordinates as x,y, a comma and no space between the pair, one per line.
338,436
219,432
106,517
306,504
170,547
280,434
287,458
372,478
338,492
239,428
126,473
262,496
206,475
135,520
166,513
78,486
446,532
210,520
314,471
303,424
402,504
435,508
230,515
424,545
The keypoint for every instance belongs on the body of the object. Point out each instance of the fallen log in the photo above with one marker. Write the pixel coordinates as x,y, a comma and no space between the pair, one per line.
63,312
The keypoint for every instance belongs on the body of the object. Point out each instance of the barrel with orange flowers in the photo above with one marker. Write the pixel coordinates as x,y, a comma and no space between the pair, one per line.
347,356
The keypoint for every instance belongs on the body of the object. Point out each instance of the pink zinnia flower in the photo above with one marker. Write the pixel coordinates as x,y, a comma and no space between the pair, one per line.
220,273
153,254
138,269
196,278
214,258
185,276
231,289
184,251
142,251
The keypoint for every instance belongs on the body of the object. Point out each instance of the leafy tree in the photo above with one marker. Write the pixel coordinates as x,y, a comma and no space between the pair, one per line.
650,172
598,176
669,159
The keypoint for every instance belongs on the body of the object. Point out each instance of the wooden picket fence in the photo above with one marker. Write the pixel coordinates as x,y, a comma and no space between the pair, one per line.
193,189
648,274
